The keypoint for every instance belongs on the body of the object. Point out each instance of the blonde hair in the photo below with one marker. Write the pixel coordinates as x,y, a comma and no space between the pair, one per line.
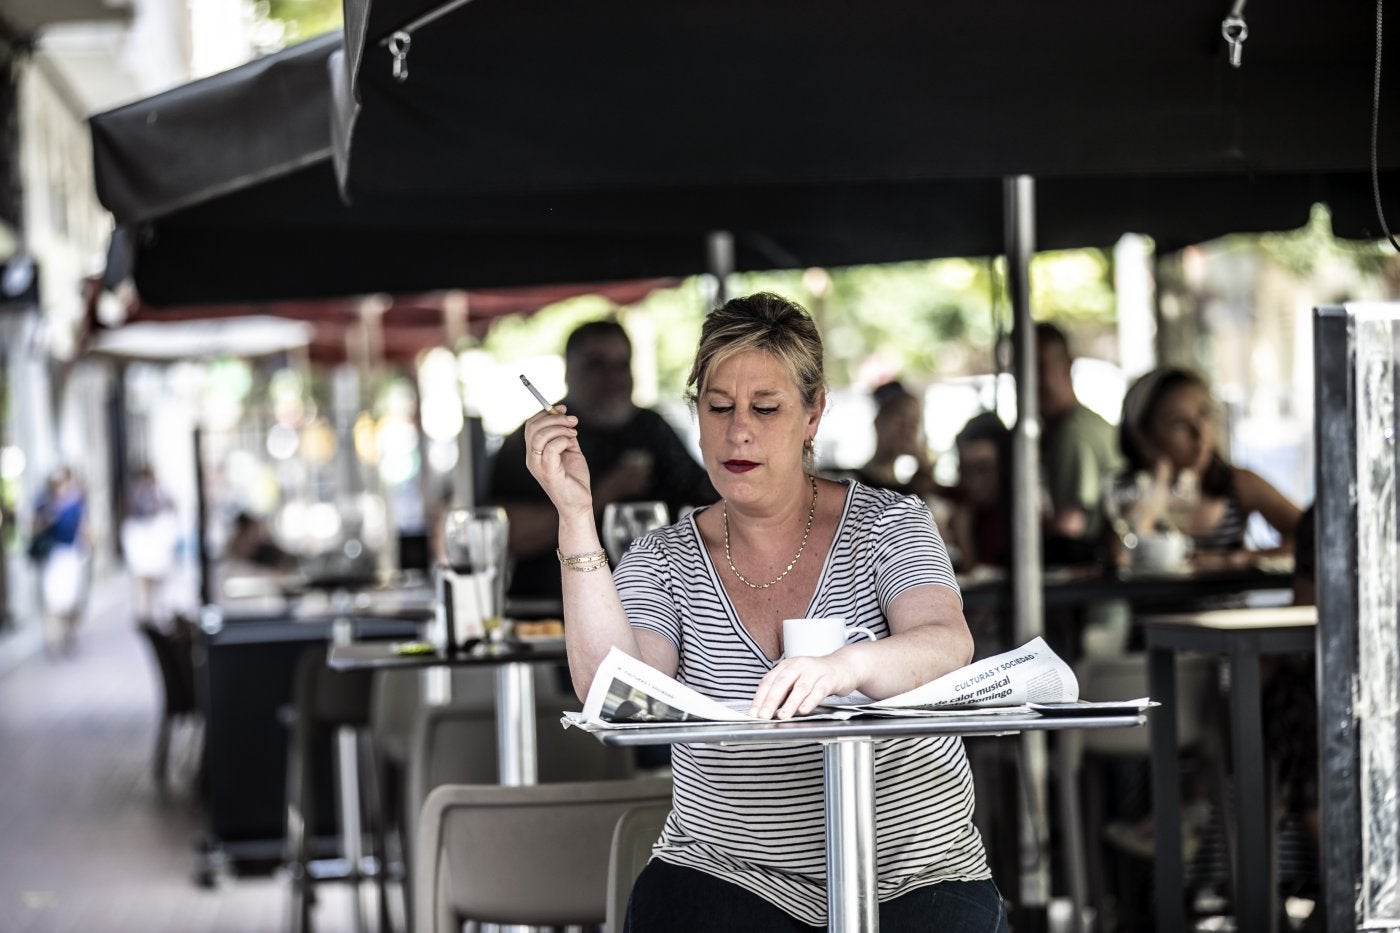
762,321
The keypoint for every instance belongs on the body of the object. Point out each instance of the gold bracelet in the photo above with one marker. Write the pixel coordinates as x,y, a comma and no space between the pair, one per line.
592,557
588,568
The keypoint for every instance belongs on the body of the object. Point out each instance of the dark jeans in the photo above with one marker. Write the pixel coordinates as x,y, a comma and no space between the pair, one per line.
671,899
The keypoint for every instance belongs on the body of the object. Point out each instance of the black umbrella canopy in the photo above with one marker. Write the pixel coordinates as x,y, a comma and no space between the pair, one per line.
226,189
521,96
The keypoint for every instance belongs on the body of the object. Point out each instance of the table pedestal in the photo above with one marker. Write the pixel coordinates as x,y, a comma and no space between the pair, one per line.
849,777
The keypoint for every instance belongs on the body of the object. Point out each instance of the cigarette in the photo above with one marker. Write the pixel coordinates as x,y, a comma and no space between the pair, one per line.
544,402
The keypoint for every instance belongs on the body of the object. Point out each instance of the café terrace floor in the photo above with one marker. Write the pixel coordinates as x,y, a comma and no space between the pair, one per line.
85,842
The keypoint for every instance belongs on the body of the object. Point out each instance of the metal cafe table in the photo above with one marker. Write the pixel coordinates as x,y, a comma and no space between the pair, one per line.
849,765
1242,636
515,689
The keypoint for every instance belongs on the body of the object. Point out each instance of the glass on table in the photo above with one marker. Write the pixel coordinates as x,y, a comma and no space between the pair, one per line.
1147,517
474,543
625,522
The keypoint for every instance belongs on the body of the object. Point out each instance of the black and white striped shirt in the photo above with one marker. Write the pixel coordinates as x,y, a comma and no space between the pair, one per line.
753,815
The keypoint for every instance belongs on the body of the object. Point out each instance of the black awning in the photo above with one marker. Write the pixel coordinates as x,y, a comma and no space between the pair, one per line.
228,190
528,96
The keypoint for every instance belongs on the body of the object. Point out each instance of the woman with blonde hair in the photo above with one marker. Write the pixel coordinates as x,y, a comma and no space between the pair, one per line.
704,600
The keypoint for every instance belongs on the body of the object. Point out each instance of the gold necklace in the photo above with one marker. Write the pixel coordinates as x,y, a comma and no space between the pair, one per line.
811,514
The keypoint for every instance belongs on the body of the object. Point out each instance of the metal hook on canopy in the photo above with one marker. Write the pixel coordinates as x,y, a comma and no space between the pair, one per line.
398,41
1235,31
398,47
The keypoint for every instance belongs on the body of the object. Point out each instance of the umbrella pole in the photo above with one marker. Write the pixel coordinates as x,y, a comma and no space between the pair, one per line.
1018,196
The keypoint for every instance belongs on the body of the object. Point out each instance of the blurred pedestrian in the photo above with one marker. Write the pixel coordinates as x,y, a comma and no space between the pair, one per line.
149,535
981,524
58,544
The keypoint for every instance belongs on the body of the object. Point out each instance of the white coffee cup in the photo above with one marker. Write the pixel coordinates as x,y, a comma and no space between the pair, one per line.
1161,552
812,638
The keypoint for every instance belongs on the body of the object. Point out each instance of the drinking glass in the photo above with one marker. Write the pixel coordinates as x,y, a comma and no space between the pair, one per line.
474,543
625,522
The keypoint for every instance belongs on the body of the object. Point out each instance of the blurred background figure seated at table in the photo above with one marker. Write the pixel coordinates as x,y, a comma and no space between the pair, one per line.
1077,452
1177,493
981,524
901,461
249,545
633,454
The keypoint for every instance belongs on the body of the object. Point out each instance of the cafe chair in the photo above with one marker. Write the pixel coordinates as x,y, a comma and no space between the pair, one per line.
536,855
174,659
456,744
633,838
1080,803
324,701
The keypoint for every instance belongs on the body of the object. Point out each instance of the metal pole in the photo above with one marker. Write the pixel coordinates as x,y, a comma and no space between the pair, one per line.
719,258
516,748
851,902
1018,193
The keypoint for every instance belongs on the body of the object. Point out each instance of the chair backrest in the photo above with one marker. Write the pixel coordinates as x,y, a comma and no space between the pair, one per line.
456,744
173,661
1124,677
535,855
325,697
633,839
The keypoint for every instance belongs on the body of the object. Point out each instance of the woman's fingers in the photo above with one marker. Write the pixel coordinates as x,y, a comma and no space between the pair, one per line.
795,687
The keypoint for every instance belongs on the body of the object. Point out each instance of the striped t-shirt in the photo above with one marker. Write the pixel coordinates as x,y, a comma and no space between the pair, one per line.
753,814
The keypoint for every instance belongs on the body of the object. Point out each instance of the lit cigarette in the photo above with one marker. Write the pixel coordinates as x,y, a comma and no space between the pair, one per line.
544,402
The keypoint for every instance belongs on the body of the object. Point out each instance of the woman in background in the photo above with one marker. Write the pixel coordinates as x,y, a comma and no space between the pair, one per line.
1168,436
899,433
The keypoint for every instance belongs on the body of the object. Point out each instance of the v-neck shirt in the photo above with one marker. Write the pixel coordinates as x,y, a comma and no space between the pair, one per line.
753,815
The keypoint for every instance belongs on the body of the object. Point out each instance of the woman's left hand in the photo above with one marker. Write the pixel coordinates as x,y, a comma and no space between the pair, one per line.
797,686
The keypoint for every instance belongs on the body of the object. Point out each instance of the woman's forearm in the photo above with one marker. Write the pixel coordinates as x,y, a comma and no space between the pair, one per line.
909,659
594,621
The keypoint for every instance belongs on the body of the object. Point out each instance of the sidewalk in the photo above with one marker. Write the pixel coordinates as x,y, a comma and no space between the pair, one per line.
85,844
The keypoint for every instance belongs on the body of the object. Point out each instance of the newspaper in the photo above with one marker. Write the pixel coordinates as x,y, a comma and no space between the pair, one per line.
629,692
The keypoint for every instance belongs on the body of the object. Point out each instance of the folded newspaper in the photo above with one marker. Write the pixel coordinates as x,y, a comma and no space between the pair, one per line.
629,692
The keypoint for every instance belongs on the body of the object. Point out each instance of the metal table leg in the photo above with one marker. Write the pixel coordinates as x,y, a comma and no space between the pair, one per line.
347,788
1254,870
515,724
850,836
1166,790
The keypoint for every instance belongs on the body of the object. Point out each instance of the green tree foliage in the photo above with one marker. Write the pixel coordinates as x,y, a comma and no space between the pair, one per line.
304,19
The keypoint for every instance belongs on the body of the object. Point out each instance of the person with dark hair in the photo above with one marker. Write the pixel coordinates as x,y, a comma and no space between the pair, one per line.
59,545
633,454
1168,437
704,601
1077,449
981,524
899,435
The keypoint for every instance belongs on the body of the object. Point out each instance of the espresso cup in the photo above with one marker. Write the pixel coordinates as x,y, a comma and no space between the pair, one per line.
811,638
1161,552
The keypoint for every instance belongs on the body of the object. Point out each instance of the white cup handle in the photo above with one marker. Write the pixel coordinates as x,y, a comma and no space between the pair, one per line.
863,630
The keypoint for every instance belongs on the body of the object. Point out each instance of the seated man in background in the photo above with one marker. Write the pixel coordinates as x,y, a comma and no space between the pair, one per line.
632,452
1078,453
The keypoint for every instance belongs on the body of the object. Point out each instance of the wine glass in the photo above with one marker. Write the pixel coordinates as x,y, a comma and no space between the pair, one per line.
474,543
625,522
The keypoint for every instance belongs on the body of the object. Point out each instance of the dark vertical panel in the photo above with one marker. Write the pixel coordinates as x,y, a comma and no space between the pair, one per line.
1338,752
11,200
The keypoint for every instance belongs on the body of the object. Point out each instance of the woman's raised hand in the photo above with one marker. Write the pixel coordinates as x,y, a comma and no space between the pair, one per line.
553,457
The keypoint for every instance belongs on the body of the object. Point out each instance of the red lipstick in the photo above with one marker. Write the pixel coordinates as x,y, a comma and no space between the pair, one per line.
739,466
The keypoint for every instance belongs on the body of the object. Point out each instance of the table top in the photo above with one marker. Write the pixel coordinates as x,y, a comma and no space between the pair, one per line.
1074,586
1242,619
369,655
822,730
